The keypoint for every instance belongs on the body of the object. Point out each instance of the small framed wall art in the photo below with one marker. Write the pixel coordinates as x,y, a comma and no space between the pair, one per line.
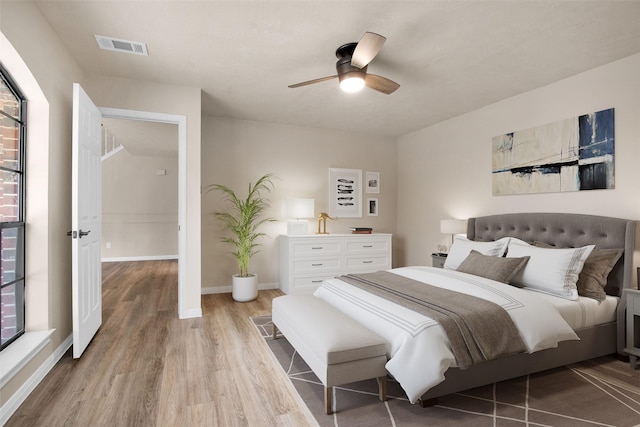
372,206
345,193
372,180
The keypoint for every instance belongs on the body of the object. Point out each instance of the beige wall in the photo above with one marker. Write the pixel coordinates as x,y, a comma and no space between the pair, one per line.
139,207
236,152
49,177
48,272
446,168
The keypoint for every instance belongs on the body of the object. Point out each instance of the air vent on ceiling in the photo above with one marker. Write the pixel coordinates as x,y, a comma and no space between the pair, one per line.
119,45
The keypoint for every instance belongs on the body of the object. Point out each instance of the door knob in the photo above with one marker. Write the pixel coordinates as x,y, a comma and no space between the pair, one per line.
76,235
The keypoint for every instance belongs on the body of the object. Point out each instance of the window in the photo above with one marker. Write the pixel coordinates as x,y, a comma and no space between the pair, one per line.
12,229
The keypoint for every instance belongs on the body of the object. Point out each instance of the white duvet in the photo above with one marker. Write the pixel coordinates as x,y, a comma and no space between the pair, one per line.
417,346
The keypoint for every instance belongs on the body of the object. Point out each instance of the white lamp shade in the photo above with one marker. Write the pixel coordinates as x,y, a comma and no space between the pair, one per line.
298,208
453,226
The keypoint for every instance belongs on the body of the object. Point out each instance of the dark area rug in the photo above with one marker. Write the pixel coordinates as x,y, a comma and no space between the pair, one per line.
569,396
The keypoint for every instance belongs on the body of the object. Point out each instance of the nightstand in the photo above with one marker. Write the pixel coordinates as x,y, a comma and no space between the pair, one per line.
437,259
633,326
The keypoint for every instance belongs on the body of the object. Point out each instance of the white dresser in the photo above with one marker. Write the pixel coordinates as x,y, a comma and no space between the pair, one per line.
305,261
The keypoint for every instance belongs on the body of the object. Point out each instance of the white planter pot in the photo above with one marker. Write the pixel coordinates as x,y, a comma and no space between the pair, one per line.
245,288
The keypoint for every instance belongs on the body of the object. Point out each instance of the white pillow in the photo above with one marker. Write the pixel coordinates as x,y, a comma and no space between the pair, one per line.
552,271
516,240
462,247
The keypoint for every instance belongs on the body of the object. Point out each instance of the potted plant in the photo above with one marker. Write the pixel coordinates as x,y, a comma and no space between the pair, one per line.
242,222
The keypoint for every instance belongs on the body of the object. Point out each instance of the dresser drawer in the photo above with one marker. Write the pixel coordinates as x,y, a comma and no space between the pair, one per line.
310,283
315,248
368,245
317,264
371,262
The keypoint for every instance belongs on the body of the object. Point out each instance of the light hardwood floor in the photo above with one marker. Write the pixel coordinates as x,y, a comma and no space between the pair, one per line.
145,367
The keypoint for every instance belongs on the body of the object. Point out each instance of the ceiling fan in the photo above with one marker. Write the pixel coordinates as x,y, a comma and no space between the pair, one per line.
353,59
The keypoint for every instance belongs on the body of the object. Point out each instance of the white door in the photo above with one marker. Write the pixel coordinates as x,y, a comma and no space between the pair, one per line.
86,220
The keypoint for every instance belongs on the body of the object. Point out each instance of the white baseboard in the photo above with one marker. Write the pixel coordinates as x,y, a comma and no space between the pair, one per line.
190,314
14,402
228,289
140,258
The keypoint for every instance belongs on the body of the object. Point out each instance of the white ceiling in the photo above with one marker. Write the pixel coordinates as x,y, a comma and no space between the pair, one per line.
450,57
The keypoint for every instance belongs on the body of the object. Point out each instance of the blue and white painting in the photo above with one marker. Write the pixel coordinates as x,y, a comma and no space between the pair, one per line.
570,155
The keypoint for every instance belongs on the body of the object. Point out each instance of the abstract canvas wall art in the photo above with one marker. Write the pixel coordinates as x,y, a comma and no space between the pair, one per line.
569,155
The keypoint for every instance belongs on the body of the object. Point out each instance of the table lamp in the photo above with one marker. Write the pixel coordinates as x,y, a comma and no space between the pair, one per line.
298,209
453,227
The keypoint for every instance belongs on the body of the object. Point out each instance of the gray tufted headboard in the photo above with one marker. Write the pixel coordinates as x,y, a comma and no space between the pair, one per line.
569,230
565,230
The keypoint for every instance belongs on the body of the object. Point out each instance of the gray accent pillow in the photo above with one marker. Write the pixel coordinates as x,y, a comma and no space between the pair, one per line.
593,277
491,267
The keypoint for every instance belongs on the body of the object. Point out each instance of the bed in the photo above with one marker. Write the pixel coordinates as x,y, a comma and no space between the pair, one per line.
580,328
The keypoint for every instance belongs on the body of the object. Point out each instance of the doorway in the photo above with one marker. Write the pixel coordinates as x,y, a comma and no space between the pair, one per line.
181,121
139,190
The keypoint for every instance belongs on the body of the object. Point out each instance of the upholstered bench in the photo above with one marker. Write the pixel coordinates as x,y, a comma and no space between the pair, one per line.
338,349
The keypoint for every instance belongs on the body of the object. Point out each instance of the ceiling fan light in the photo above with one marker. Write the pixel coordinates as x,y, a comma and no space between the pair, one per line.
352,84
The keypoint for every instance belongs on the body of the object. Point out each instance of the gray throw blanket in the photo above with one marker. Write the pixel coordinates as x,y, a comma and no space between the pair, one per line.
477,329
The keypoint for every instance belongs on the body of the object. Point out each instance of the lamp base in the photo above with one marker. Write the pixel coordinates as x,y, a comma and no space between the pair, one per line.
296,227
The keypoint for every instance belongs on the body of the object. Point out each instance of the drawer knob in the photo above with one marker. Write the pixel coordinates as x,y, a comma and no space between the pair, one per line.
367,262
316,247
367,246
316,265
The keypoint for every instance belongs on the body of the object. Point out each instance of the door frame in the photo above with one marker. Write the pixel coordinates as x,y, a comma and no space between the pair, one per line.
181,121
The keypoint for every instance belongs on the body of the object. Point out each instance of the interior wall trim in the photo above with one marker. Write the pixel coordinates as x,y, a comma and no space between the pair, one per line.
140,258
14,402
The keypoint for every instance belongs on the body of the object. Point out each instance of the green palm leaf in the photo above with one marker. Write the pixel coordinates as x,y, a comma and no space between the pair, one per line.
243,219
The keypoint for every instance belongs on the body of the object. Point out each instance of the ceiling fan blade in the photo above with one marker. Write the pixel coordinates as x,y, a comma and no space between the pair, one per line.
381,84
310,82
367,49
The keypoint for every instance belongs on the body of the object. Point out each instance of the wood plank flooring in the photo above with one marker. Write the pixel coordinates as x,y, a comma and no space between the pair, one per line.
145,367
